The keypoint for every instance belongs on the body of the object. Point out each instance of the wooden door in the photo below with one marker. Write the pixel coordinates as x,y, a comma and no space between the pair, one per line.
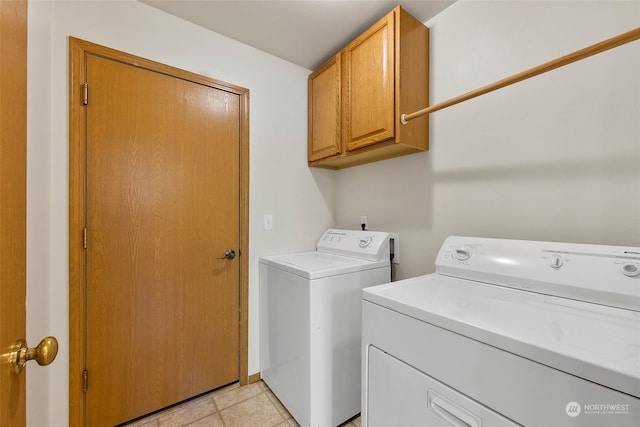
162,207
13,150
324,110
368,86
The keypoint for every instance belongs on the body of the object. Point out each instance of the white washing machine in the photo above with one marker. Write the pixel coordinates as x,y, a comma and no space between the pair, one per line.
506,333
310,323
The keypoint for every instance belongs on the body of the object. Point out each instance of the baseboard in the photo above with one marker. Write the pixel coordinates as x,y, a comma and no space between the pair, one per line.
254,378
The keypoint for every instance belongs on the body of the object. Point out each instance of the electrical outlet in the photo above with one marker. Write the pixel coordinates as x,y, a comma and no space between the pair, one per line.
396,247
363,220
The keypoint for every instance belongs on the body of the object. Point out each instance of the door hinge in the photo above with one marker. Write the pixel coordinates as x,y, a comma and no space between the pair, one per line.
85,94
84,237
85,381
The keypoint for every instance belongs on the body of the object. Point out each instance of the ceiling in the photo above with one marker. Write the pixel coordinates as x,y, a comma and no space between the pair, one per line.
304,32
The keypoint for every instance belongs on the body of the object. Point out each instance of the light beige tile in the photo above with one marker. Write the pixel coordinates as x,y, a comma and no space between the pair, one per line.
257,411
263,385
188,412
209,421
145,422
356,421
227,388
279,406
226,398
289,423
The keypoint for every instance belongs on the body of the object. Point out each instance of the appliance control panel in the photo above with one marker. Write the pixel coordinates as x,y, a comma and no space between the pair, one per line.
607,275
367,245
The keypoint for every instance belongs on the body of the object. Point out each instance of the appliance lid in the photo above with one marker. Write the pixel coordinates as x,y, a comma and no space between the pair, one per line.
367,245
594,342
316,265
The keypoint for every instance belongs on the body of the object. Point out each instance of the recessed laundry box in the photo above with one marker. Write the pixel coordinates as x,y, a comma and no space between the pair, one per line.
310,323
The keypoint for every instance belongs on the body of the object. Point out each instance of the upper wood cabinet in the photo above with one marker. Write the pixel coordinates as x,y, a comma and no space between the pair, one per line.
369,86
357,97
324,106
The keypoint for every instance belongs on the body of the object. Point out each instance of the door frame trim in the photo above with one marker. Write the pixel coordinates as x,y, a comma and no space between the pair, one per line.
78,49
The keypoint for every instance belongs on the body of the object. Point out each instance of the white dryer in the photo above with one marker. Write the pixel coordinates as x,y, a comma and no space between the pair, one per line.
506,333
310,323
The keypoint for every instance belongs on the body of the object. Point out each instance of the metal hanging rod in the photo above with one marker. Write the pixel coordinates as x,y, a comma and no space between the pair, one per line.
616,41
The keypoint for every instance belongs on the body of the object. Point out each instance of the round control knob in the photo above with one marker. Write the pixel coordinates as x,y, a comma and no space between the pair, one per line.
462,253
630,270
365,241
556,261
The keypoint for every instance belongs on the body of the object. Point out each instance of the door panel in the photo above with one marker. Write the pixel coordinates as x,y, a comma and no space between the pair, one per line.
369,85
13,143
162,205
324,110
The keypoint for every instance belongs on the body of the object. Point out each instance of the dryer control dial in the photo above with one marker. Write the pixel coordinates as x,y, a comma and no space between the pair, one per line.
630,270
462,253
556,261
365,241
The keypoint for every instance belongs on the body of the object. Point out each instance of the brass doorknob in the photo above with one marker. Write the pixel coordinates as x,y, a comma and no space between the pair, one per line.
44,353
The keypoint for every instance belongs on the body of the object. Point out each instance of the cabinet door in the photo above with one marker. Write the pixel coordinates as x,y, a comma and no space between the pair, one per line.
369,75
324,110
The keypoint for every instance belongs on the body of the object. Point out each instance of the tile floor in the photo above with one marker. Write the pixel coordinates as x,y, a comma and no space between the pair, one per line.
231,406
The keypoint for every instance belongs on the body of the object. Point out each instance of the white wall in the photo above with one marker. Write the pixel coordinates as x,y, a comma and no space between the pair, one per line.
301,200
556,157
